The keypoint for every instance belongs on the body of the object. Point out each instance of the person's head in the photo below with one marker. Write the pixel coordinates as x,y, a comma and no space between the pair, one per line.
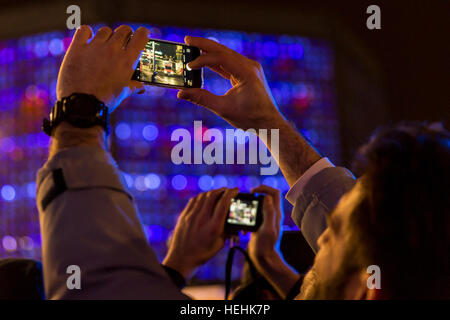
397,217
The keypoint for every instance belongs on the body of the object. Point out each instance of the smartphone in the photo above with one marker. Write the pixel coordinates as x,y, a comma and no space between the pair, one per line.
164,63
245,213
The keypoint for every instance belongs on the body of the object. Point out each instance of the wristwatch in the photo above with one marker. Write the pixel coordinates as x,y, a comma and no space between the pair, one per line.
80,110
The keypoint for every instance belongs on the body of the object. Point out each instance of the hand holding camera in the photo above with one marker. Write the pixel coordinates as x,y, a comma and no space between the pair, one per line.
200,230
264,243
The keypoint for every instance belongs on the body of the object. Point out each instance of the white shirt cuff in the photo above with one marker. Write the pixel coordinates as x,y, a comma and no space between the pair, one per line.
298,186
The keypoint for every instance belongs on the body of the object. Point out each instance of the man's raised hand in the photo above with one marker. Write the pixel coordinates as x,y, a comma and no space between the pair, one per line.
103,66
249,103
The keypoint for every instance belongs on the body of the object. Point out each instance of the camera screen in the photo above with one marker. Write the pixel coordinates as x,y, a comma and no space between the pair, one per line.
243,212
165,63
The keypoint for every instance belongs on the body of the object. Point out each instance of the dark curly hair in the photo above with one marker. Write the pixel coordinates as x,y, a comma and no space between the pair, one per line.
403,221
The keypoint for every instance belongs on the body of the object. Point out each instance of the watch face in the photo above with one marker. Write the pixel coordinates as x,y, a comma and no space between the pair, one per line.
80,110
83,106
84,111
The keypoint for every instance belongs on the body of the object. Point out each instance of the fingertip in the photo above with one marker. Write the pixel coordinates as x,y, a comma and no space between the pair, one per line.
181,94
143,33
184,94
126,28
82,34
233,193
139,89
143,30
84,27
258,189
187,39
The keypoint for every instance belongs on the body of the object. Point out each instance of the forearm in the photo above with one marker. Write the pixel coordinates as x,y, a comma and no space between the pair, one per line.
66,136
278,273
293,154
86,214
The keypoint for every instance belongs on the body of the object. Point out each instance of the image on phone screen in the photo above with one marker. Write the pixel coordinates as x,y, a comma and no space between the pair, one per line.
164,63
243,212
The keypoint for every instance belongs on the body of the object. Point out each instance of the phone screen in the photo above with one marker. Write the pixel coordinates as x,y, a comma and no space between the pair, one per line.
243,212
164,63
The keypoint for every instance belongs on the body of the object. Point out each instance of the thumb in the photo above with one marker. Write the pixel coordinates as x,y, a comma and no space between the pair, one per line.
202,98
136,87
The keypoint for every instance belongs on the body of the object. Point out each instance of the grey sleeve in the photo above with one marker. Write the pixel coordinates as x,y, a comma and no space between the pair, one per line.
88,219
320,195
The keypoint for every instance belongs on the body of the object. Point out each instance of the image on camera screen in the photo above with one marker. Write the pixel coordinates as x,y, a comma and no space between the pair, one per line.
243,212
162,63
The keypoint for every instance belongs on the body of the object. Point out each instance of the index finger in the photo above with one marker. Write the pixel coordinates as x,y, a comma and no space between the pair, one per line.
211,200
81,36
205,44
231,64
189,206
275,193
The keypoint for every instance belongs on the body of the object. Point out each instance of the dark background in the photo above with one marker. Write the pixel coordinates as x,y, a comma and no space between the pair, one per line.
408,59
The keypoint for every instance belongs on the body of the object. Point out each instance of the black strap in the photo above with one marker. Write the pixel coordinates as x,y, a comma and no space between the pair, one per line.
59,186
229,267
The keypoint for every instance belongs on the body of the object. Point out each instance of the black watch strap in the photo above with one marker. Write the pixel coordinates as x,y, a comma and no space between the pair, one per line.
80,110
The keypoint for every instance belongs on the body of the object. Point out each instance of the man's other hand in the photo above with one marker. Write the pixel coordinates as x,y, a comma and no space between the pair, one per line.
263,246
264,242
200,231
249,103
103,66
